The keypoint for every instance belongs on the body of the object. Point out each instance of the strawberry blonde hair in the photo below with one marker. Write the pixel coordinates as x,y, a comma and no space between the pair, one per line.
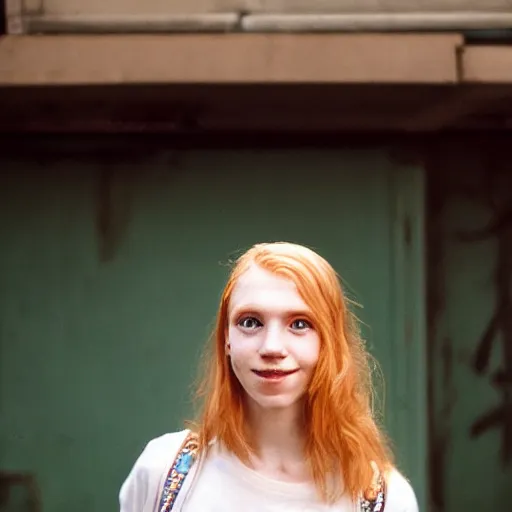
342,438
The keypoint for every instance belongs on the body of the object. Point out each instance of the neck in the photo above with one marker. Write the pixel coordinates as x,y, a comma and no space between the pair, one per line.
279,440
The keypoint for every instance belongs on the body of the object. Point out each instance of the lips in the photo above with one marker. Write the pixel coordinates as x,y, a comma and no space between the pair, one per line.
274,374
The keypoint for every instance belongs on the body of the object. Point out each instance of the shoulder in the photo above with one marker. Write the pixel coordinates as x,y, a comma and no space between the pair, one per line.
400,496
161,450
143,482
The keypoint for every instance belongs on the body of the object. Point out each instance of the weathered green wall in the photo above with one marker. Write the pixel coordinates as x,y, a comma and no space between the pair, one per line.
111,268
470,339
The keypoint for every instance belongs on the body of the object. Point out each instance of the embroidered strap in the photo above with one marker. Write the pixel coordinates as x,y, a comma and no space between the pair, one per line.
374,500
179,470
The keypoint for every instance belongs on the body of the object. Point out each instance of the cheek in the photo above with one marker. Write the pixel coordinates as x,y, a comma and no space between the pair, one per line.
239,350
240,364
239,359
309,352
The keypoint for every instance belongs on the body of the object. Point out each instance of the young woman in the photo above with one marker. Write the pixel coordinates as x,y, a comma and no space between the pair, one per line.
287,424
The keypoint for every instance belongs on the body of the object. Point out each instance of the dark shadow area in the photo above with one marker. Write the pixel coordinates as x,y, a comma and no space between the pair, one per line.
3,20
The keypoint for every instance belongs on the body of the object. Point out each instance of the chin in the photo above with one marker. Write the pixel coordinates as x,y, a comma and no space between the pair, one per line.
276,401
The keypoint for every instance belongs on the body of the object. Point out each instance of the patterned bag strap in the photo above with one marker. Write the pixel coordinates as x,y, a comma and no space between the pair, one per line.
180,468
374,499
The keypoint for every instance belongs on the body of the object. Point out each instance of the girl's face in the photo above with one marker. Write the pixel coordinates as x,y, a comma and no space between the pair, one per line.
271,339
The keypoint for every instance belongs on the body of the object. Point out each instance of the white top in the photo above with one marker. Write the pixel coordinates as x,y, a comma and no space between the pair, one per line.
224,484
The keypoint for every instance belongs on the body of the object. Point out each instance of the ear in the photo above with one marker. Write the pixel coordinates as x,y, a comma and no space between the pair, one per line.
227,346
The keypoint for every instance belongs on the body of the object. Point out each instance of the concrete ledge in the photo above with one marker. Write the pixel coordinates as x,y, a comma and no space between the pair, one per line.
19,23
114,24
229,58
372,6
382,22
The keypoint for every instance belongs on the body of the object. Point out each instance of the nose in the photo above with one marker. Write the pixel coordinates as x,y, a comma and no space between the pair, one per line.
272,344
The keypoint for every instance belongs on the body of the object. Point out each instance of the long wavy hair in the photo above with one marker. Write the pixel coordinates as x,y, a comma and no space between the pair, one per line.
343,439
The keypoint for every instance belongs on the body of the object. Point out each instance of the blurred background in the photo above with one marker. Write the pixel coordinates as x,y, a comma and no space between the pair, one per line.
143,146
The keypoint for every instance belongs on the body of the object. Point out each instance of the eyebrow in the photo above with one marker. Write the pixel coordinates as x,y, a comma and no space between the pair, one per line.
252,308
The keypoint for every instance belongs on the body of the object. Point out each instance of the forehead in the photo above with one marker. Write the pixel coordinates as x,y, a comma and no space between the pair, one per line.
257,287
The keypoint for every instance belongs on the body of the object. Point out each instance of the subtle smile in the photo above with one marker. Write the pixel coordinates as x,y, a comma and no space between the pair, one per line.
274,374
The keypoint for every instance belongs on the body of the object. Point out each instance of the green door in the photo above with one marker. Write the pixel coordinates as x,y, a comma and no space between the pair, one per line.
111,274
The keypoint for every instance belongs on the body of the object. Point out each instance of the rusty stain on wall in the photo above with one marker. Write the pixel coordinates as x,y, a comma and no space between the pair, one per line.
439,431
469,186
28,482
112,211
498,196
